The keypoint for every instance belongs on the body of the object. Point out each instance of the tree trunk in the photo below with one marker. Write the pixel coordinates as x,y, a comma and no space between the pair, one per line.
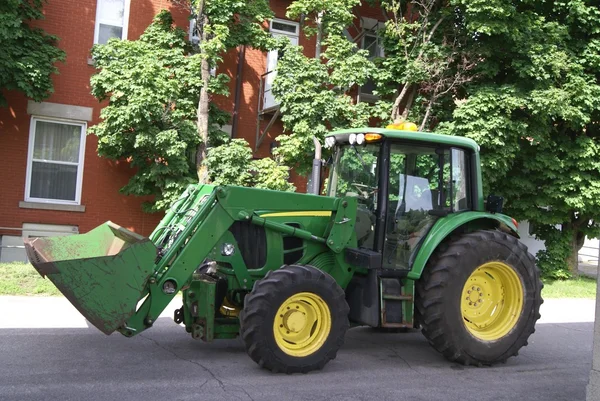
203,102
396,107
428,111
577,241
409,102
395,114
573,259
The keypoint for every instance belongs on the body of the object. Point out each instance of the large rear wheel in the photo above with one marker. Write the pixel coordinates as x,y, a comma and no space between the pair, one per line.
294,320
479,298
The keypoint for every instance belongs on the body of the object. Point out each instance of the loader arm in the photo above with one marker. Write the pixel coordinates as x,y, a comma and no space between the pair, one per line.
126,284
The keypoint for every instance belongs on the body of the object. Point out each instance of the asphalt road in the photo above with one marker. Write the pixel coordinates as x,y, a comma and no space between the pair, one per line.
47,352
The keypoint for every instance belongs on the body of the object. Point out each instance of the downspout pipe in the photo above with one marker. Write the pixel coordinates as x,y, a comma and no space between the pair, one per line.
238,91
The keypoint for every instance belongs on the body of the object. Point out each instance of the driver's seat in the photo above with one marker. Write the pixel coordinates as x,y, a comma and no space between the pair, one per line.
408,200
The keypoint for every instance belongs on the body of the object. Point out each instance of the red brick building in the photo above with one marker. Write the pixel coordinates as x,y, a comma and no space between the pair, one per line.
53,182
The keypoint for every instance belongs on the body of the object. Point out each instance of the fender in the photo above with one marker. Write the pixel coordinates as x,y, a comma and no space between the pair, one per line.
447,225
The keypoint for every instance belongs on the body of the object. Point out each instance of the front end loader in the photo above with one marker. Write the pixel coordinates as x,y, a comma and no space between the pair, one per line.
402,239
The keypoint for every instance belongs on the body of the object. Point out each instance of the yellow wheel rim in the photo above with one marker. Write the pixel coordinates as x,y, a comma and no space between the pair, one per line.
302,324
492,301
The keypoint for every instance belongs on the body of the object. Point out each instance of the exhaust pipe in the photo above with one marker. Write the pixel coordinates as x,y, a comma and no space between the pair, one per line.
315,185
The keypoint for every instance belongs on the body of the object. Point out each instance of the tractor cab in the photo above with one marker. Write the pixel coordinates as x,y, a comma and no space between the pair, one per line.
404,182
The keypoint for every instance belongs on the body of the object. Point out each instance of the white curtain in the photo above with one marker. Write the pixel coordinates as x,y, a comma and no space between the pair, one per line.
55,161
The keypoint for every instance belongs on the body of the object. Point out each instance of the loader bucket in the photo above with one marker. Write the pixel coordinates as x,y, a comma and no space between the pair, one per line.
103,272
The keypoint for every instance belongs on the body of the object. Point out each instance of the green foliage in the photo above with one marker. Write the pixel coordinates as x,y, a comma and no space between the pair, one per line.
233,23
152,85
558,249
228,163
521,78
231,163
334,15
268,174
314,94
487,117
534,109
28,54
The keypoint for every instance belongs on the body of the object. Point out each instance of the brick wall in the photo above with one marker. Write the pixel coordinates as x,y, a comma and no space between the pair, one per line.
73,22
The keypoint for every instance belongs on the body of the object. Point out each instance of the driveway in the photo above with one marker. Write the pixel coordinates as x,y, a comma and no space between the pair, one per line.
48,352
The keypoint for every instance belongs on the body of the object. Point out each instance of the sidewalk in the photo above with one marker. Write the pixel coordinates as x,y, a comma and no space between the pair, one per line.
57,312
588,269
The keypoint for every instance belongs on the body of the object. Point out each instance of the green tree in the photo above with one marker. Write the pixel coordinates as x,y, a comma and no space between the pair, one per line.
429,58
152,86
519,77
28,54
314,93
232,163
221,25
535,110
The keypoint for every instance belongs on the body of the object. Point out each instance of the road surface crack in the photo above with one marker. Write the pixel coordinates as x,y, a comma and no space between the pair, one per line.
207,370
571,328
404,360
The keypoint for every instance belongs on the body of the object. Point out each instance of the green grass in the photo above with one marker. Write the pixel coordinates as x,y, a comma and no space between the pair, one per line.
22,279
580,287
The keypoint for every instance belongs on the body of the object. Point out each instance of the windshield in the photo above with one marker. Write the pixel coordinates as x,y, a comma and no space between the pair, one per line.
355,174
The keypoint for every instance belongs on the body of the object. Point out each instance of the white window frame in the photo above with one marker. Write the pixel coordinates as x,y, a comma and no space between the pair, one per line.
124,23
48,230
195,40
365,96
268,101
378,45
79,164
370,28
277,32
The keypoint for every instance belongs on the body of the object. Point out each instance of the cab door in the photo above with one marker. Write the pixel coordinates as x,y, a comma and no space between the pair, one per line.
425,183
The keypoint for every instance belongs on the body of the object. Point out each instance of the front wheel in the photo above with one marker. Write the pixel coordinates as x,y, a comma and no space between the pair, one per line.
294,320
479,298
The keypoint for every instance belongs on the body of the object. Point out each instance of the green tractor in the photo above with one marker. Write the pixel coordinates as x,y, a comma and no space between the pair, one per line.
403,239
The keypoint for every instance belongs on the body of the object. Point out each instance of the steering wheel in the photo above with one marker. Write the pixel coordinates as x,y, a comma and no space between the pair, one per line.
365,190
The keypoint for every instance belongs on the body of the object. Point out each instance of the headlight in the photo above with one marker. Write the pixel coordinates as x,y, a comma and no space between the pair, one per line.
360,138
227,249
329,142
352,139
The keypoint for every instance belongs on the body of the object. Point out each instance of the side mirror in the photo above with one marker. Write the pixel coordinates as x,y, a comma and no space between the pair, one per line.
494,204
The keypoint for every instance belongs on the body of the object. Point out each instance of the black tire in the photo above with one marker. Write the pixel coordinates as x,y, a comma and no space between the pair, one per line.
260,309
439,295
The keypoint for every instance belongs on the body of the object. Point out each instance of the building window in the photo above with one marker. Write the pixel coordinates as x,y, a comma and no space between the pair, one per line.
55,161
31,230
278,28
531,229
112,17
372,43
